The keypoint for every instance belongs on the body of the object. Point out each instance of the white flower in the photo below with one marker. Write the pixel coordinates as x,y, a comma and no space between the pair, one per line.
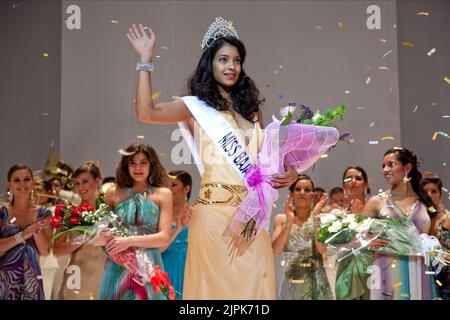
335,227
348,219
353,225
364,225
327,218
316,116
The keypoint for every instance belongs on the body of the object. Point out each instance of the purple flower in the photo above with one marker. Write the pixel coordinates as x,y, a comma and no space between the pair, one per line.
306,113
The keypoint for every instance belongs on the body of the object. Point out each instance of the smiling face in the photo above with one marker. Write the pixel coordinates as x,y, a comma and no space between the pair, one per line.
354,183
227,66
86,187
303,193
393,170
139,167
433,191
21,183
179,191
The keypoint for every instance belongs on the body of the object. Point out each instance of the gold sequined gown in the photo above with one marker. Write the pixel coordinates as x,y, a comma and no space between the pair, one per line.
208,273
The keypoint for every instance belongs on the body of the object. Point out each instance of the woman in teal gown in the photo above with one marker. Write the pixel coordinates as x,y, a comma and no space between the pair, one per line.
146,208
174,256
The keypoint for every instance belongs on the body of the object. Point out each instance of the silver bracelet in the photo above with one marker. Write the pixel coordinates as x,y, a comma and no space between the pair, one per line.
19,237
144,66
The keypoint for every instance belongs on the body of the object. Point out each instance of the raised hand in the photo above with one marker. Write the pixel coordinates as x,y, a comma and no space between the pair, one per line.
142,43
286,179
356,206
289,210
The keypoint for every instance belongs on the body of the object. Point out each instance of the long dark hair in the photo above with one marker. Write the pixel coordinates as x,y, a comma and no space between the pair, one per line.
185,178
301,177
244,94
406,156
363,173
434,179
157,176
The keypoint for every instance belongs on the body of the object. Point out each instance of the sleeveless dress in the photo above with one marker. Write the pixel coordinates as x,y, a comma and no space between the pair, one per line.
304,277
209,273
174,258
404,277
142,216
90,261
20,273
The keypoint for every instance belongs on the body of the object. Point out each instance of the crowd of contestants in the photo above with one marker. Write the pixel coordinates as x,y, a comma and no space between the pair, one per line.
157,204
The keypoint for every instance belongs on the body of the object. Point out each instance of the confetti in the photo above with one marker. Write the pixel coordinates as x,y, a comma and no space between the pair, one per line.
44,114
446,116
268,85
347,179
156,95
280,96
447,80
383,40
373,142
125,153
140,137
45,54
371,124
407,44
282,263
442,133
397,285
347,91
384,55
444,188
12,220
162,154
393,265
422,13
91,296
276,72
164,48
415,108
429,272
387,138
230,23
394,26
367,80
281,67
341,26
296,281
381,190
319,27
434,104
429,53
439,283
360,108
323,156
114,21
351,140
383,68
158,56
404,295
434,136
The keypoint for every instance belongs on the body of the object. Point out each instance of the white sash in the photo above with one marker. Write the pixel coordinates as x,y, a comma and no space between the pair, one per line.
221,133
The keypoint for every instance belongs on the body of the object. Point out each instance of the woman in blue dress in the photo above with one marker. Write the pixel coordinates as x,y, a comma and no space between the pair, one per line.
24,236
143,205
174,255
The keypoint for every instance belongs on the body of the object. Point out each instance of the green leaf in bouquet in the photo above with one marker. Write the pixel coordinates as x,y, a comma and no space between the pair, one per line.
80,229
287,120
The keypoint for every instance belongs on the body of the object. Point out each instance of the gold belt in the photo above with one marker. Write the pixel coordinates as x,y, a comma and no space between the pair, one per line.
221,194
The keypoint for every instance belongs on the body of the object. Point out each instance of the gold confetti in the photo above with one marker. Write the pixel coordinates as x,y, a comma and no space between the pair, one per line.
296,281
45,54
434,136
383,68
431,209
407,44
434,104
268,85
446,79
172,177
341,26
351,140
423,13
115,21
383,40
91,296
230,23
140,137
397,285
164,48
162,154
156,95
439,283
387,138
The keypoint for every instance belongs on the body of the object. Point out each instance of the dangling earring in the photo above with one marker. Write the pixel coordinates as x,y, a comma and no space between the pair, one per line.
33,196
10,197
406,179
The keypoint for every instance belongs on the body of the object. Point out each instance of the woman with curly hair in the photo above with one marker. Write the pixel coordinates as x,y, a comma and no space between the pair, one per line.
145,206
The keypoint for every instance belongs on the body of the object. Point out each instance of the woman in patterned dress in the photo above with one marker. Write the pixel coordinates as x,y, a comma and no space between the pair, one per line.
24,236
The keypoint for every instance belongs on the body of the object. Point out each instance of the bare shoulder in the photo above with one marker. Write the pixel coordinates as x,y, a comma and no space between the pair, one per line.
373,205
163,191
114,195
280,219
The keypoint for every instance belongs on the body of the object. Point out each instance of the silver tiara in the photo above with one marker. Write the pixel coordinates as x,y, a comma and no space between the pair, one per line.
218,29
